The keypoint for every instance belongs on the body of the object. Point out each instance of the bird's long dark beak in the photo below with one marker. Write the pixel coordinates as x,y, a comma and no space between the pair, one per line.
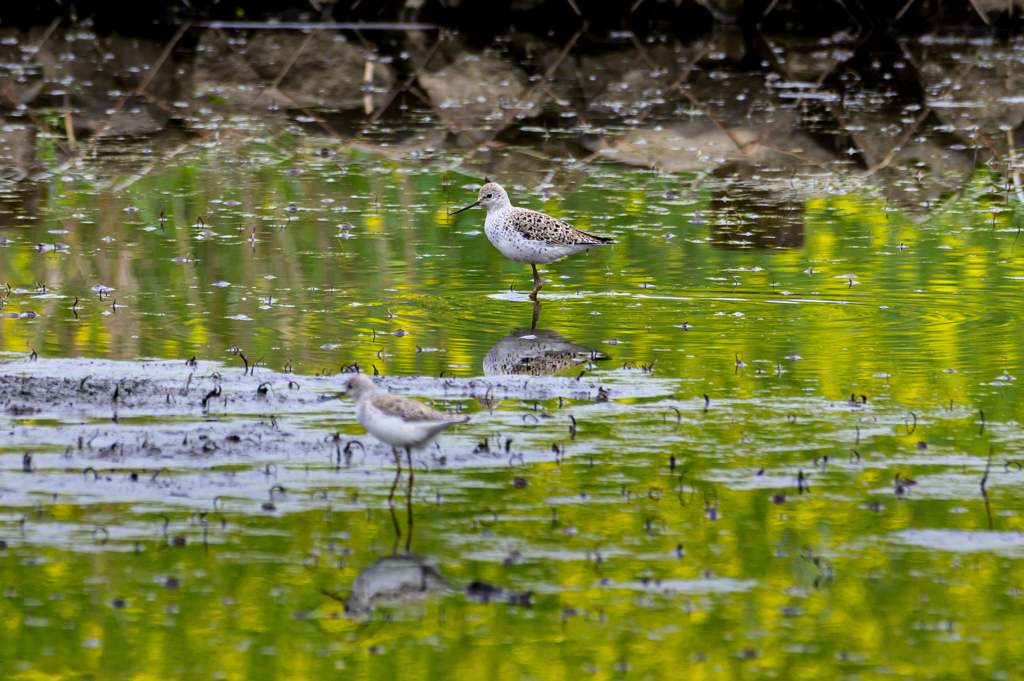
472,205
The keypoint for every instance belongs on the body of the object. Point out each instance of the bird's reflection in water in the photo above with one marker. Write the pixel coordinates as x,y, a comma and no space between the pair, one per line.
537,352
394,579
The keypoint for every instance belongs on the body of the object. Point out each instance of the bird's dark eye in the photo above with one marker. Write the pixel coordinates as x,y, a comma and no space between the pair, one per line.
490,195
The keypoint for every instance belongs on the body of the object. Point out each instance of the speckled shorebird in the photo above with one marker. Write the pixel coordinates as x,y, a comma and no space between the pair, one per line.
528,236
399,422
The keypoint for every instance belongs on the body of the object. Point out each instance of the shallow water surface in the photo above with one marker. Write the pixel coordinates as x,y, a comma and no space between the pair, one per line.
772,431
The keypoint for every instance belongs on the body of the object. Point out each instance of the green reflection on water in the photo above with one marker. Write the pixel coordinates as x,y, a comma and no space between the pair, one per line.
640,571
291,282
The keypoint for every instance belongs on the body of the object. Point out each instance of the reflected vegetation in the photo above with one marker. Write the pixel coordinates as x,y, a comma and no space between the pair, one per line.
694,461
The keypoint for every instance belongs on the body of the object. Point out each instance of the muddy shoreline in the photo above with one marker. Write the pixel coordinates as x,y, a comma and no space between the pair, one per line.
91,388
149,414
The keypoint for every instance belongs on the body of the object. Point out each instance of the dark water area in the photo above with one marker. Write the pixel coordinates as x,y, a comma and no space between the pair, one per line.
482,20
479,20
772,431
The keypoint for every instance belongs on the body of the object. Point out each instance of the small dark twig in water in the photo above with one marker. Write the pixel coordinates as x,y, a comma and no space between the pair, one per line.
213,393
801,482
988,465
907,425
558,450
982,414
902,484
235,350
984,493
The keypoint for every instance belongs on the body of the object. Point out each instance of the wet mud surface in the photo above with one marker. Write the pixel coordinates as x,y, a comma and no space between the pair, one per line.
75,416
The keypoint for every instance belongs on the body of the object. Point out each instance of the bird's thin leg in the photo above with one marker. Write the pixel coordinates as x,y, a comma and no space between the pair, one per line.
408,500
537,284
536,314
391,497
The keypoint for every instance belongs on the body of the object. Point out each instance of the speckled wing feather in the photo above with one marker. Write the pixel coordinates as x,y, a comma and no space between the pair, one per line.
410,410
540,227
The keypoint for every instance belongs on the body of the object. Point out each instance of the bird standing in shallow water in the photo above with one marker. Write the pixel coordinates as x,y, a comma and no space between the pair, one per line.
399,422
527,236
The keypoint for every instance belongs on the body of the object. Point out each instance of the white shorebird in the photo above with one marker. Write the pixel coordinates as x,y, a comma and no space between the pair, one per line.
528,236
399,422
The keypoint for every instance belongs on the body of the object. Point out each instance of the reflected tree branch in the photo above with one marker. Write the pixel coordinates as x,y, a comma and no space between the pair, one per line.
899,145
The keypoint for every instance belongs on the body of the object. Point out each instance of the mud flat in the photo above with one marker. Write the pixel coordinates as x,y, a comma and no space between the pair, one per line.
130,422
